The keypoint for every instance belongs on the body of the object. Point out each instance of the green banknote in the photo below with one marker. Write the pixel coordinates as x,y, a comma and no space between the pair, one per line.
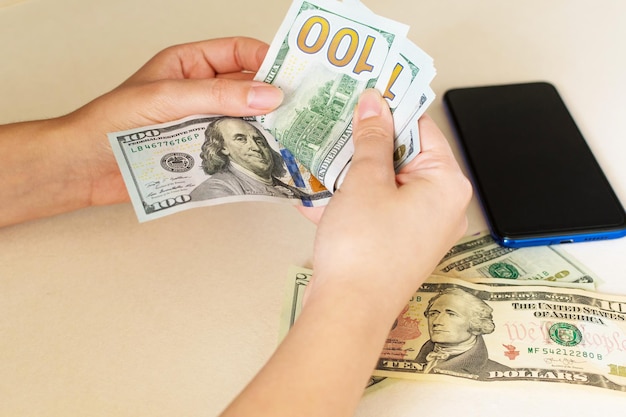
452,328
481,259
405,82
323,56
171,167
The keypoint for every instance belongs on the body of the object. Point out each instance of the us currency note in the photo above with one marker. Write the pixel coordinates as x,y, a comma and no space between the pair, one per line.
451,328
322,57
408,75
407,143
408,93
179,165
481,259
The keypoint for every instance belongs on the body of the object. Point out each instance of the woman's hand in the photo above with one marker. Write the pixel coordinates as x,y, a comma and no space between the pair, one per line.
74,164
209,77
391,228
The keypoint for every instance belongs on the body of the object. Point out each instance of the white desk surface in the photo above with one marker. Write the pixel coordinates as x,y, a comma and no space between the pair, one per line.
103,316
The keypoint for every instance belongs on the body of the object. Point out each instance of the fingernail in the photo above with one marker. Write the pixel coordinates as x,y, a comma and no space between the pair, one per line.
370,104
265,97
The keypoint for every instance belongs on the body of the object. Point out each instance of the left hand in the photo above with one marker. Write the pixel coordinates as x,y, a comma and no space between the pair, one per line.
208,77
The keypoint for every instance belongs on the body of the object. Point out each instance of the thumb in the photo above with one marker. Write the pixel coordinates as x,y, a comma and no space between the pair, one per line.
173,99
372,134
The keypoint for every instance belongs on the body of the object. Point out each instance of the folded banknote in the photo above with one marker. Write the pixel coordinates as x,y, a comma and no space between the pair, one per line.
480,259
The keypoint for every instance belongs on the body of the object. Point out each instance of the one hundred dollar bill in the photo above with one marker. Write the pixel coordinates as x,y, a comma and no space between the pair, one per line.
323,56
453,328
481,259
183,164
408,75
408,78
408,93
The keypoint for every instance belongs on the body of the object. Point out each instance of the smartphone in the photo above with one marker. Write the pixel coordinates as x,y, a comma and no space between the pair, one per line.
535,176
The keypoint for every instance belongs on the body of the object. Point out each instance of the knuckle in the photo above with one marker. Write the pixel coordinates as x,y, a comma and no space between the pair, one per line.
158,89
371,132
161,92
220,91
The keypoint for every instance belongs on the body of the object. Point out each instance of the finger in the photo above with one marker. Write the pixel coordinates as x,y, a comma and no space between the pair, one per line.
224,96
434,146
168,100
204,59
431,136
229,55
237,75
373,141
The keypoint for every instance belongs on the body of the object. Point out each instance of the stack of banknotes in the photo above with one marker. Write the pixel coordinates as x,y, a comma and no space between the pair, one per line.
324,54
516,314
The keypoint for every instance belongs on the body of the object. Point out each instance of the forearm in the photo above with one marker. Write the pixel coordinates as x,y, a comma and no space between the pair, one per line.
38,172
379,238
324,363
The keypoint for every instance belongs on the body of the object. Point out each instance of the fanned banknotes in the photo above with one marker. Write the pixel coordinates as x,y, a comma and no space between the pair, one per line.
324,55
452,328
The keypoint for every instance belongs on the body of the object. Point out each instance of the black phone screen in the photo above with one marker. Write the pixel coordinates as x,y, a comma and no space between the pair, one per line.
533,171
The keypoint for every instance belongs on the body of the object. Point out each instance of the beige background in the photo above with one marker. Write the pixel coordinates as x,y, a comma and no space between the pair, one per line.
103,316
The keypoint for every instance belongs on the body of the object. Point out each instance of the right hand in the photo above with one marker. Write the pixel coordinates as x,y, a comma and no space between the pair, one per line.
391,229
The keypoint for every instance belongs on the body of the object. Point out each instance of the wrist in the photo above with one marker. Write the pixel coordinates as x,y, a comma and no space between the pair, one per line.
39,177
384,291
362,305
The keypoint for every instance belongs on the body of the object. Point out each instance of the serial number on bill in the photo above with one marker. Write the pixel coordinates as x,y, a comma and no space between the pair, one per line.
573,353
